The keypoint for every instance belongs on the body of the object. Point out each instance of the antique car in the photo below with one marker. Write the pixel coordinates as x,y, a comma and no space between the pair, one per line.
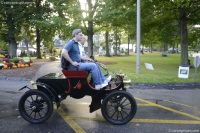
117,105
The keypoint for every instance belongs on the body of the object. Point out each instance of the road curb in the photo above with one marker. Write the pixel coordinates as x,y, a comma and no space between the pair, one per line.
169,86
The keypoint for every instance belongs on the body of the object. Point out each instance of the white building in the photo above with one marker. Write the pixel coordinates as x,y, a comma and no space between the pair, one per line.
21,47
125,47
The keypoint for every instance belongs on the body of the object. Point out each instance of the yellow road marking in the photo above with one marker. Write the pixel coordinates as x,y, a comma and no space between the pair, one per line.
77,128
170,109
180,104
145,105
166,121
87,118
70,122
142,120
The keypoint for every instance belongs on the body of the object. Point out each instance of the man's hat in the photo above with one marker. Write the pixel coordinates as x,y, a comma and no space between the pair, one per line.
76,31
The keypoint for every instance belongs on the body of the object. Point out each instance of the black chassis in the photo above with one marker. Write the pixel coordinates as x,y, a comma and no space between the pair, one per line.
58,87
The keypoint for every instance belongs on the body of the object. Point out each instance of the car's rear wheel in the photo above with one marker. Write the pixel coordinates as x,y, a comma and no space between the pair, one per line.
35,106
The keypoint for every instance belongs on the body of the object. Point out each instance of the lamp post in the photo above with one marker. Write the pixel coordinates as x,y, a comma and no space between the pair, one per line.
138,38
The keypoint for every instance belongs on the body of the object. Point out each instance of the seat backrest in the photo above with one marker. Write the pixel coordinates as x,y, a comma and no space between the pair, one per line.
75,73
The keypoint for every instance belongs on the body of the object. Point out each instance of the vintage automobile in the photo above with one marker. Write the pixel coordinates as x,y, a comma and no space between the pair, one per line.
117,105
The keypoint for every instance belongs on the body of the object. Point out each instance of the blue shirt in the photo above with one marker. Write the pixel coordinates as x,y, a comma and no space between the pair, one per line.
73,50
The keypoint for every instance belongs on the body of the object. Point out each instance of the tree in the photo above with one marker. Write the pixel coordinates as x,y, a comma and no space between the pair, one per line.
67,17
53,17
40,21
11,18
193,37
120,14
186,13
89,20
45,17
24,36
179,14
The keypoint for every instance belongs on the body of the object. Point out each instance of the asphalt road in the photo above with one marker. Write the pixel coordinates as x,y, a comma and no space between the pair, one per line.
159,111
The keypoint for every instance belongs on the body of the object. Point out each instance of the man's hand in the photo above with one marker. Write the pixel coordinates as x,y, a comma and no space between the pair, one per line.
75,63
88,59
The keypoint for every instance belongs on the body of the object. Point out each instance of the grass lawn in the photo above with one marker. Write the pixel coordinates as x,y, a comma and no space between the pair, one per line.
165,68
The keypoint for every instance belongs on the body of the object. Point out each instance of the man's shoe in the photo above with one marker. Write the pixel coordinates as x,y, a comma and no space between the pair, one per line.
97,87
109,78
104,85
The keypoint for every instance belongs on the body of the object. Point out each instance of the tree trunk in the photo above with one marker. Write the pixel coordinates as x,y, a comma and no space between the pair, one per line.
183,36
26,43
11,34
128,44
164,46
90,39
115,44
13,47
107,45
38,44
119,44
38,8
90,28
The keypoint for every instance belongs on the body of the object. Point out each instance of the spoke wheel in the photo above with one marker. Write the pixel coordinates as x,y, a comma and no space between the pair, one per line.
119,107
35,106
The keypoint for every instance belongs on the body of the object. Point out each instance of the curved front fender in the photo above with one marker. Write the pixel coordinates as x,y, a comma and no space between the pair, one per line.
48,89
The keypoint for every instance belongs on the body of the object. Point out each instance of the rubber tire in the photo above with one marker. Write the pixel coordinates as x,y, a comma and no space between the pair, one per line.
26,116
131,114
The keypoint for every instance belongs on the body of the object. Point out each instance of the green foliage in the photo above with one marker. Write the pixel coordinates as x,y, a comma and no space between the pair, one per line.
12,16
193,37
159,21
50,49
68,17
14,60
3,45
